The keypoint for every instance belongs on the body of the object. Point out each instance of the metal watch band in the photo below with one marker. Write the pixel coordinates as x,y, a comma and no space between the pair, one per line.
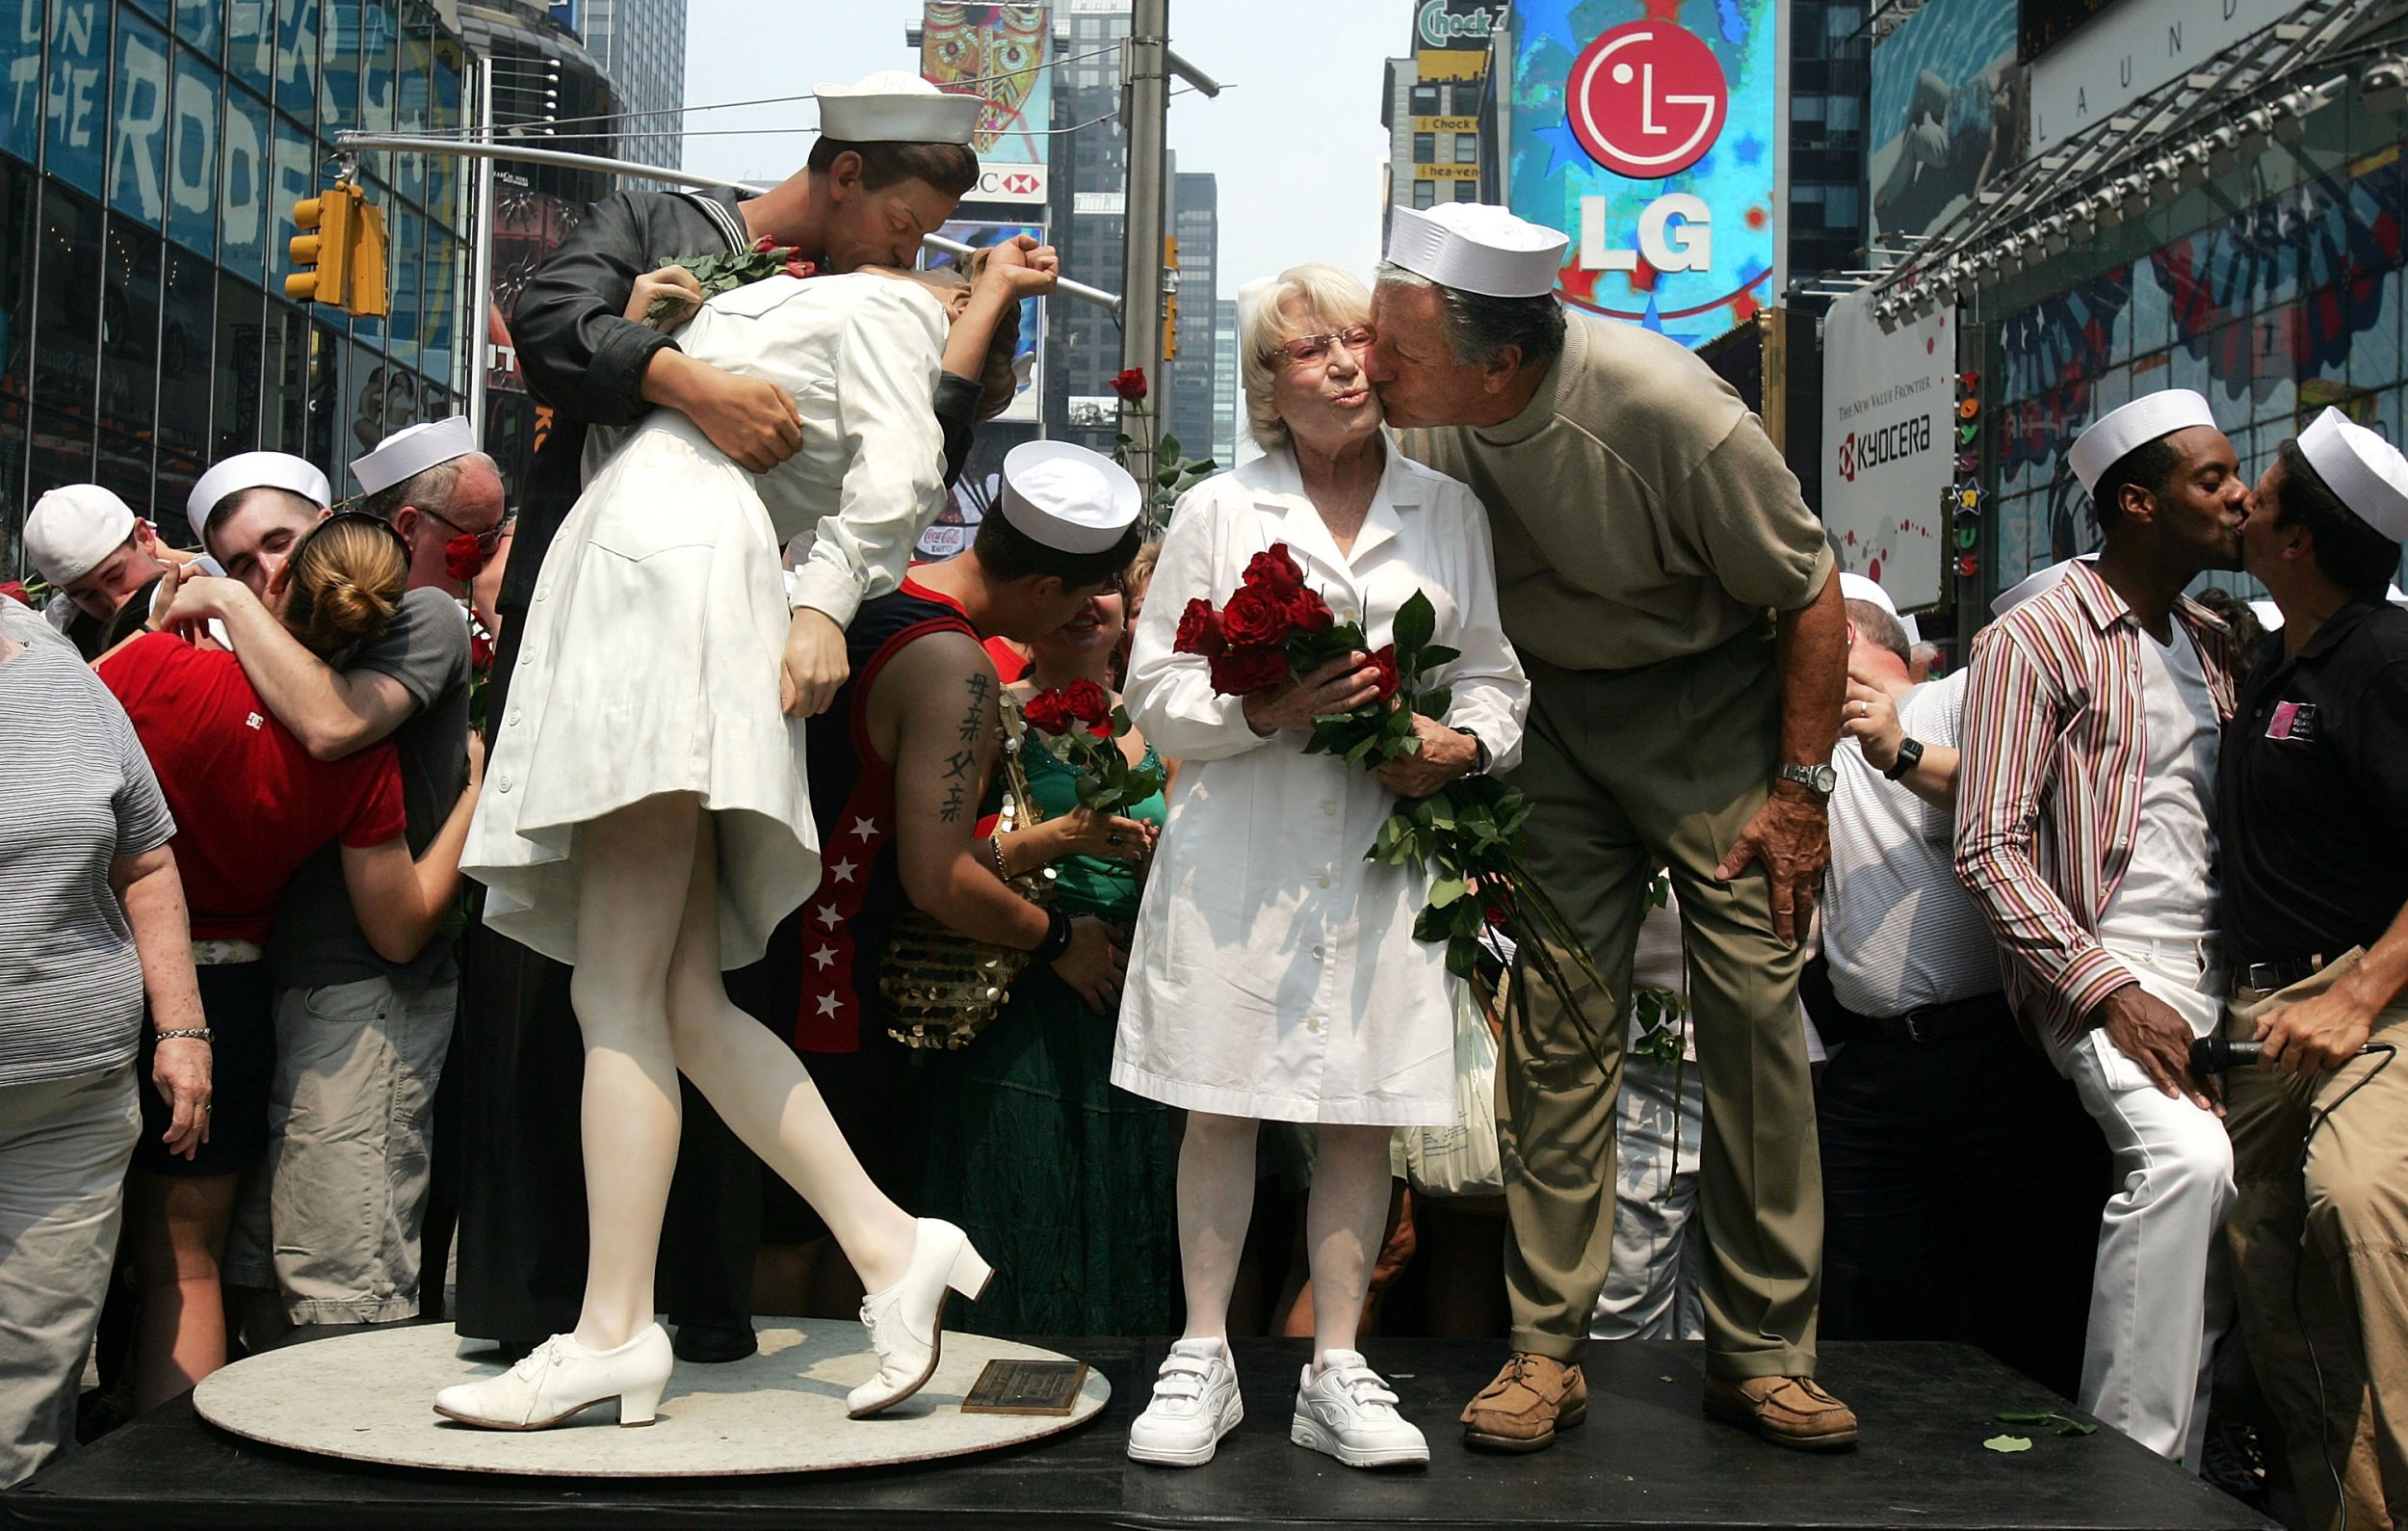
189,1033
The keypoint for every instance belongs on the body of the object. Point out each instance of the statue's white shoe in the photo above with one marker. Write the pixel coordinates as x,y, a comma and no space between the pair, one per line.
1349,1412
561,1377
907,1321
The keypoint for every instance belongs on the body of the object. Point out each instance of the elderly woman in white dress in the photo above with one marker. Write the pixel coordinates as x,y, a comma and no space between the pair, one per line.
1274,975
650,820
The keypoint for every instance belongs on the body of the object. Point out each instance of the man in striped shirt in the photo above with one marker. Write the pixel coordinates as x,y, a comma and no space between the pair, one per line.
2084,820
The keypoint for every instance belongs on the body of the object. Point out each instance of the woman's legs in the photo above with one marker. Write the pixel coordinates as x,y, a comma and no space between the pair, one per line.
761,1091
631,893
176,1227
1216,1200
1344,1218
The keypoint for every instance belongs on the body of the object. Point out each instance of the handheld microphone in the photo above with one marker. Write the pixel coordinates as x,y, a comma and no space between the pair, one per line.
2215,1055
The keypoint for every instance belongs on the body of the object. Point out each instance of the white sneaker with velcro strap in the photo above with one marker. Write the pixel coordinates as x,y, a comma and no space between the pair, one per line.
1195,1403
1349,1412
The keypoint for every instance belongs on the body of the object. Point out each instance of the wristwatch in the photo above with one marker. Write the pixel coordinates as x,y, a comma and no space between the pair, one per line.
1818,780
1910,754
1480,746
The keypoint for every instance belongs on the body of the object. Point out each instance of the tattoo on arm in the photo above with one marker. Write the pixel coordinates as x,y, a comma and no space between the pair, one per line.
961,765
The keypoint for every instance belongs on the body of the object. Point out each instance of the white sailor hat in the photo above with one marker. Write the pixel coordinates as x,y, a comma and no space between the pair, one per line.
896,107
2036,583
412,450
70,530
1476,247
2118,433
2363,470
253,470
1067,497
1856,587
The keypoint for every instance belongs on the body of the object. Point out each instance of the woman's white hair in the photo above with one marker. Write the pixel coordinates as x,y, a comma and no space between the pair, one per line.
1331,298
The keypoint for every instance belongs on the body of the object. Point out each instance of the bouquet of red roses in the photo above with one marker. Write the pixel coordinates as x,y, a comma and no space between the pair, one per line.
1079,726
1466,835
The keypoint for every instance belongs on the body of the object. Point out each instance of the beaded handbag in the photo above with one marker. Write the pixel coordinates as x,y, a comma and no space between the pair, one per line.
939,987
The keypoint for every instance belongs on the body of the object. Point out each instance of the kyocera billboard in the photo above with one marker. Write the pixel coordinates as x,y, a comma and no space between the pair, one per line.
1650,131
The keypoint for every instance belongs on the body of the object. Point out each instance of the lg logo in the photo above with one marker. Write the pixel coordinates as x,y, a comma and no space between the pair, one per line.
1647,100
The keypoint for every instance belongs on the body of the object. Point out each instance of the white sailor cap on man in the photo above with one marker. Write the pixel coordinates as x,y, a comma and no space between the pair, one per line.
895,107
2121,432
253,470
1477,248
2365,471
412,450
71,529
1068,498
1856,587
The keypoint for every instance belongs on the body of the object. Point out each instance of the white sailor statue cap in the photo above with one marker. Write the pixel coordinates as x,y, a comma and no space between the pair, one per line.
1067,497
412,450
1474,247
253,470
71,529
896,107
2120,432
2367,472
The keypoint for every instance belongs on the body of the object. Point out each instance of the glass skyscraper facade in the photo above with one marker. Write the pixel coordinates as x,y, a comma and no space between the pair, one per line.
640,46
150,154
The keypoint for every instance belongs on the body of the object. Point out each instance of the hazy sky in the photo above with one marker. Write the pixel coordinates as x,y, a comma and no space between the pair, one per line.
1295,139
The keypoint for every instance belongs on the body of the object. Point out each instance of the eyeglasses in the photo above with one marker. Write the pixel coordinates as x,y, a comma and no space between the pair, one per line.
1313,351
486,540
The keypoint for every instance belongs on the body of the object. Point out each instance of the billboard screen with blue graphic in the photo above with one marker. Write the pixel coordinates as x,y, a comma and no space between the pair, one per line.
1650,132
1946,119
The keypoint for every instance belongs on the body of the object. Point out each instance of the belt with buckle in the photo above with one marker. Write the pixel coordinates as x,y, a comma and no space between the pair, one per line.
1933,1022
2265,978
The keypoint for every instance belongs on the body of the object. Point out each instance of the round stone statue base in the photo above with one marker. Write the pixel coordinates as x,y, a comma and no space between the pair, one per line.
369,1397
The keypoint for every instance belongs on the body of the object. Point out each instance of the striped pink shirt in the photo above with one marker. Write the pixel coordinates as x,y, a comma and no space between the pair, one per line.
2049,795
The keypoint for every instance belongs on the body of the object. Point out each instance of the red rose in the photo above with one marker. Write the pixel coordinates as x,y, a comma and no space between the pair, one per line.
1274,570
1088,702
1243,672
1307,613
1254,617
479,651
462,559
764,245
1199,631
1131,386
1385,663
14,590
799,267
1047,712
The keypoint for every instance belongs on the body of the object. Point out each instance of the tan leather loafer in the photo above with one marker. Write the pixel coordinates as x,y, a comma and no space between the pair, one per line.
1531,1399
1785,1410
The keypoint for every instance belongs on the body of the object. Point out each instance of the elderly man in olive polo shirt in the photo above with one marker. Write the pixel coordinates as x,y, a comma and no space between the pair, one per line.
1673,601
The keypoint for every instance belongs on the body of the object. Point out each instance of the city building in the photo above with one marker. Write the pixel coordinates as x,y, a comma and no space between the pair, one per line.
1828,81
149,160
641,48
1432,105
1188,411
1228,410
1086,219
2227,219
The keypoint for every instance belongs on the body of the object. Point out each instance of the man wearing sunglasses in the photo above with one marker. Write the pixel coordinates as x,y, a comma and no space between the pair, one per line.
331,1233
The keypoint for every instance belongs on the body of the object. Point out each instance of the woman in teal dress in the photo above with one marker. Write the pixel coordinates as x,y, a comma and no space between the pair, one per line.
1061,1179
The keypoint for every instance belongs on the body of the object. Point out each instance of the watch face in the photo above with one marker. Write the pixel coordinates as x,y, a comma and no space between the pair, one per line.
1827,778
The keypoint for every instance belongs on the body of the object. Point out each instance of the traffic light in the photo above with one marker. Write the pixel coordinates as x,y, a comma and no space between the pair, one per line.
321,250
339,252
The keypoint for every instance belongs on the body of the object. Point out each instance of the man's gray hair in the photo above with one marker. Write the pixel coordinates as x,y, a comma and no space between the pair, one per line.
1481,328
1880,629
428,488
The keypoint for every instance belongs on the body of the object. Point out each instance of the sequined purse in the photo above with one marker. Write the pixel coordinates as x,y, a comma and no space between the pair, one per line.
941,988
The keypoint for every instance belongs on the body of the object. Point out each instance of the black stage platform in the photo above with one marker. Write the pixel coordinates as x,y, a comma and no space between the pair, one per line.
1645,1457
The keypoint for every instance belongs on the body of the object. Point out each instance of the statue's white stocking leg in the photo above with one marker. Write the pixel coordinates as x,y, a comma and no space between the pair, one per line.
631,893
760,1089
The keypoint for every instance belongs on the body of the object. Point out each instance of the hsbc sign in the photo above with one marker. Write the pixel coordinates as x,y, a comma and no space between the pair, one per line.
1009,183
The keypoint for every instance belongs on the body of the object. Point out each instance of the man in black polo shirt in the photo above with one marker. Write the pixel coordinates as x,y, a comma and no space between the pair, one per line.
2312,809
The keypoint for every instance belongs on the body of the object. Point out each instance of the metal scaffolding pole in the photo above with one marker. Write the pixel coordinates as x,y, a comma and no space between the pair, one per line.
1147,100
